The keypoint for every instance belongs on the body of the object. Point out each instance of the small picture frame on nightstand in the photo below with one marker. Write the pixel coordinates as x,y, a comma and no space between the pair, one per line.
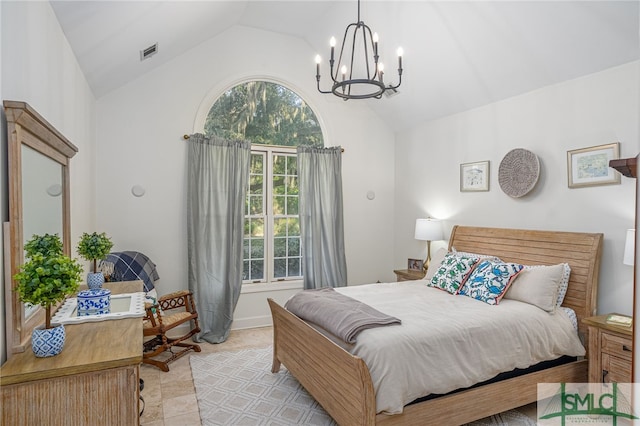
415,264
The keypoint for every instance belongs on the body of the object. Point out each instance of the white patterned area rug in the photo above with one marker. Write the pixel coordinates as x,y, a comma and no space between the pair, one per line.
238,389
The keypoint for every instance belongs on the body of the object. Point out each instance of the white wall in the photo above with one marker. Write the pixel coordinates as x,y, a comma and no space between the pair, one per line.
140,128
597,109
39,67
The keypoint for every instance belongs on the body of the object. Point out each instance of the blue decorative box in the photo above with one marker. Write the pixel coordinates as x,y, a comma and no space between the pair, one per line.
94,302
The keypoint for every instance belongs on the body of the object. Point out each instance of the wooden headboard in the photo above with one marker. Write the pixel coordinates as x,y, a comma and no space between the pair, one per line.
582,251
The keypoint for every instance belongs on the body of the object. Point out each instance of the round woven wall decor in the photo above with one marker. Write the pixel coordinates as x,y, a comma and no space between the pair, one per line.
518,172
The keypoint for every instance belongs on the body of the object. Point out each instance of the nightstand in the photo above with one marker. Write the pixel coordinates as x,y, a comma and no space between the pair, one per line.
408,274
610,351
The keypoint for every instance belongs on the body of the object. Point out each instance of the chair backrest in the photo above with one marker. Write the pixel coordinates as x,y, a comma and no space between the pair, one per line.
130,266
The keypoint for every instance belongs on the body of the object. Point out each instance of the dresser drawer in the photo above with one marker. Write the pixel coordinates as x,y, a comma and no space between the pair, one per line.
618,369
616,346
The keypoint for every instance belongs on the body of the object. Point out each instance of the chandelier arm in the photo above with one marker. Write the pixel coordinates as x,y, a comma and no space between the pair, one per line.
366,29
334,77
399,81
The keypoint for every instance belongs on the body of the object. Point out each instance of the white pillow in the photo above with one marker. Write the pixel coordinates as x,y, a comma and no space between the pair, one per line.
436,260
540,285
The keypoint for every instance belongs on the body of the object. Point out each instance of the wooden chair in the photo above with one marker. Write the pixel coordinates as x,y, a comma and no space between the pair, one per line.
158,321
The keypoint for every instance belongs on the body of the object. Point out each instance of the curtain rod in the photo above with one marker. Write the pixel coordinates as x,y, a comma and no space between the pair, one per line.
187,137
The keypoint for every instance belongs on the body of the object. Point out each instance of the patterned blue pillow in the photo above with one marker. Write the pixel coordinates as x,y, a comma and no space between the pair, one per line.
490,280
452,272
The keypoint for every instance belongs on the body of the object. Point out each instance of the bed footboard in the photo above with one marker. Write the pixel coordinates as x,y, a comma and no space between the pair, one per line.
339,381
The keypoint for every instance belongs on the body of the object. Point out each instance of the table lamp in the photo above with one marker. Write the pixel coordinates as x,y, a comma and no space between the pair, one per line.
428,230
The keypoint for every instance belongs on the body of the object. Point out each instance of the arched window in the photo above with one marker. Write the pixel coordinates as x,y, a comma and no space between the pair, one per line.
264,113
275,120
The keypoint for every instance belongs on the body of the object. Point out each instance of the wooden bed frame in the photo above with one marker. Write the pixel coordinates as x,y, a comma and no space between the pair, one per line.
341,383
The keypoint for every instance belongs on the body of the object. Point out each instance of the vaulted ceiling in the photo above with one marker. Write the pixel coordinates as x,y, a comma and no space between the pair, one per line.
458,54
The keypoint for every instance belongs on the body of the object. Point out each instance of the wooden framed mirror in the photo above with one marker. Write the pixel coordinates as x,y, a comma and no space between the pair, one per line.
38,165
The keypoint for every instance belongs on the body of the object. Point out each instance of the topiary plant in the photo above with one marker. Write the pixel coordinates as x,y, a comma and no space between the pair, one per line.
94,247
48,275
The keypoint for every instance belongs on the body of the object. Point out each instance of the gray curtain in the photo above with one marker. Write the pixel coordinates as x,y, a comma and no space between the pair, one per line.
321,218
218,172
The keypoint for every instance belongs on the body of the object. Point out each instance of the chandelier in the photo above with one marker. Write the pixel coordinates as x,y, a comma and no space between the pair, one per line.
356,75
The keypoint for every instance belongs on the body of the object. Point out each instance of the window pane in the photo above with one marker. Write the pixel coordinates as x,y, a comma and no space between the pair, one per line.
280,268
257,269
255,184
278,205
257,227
292,166
292,205
280,227
279,247
279,164
294,226
257,164
247,227
279,185
293,246
294,267
257,248
245,270
255,205
245,247
292,185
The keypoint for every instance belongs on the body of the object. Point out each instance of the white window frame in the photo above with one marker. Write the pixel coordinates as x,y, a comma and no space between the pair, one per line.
267,284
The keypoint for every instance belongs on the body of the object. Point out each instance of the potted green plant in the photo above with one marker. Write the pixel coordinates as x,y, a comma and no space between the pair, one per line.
94,247
46,278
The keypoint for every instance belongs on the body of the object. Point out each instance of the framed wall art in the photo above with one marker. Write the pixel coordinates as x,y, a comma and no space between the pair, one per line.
474,176
590,166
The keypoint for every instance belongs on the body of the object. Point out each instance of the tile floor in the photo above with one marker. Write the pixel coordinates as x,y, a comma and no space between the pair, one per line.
170,398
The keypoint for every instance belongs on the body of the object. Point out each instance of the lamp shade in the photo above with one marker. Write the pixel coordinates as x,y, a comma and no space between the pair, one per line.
428,230
629,248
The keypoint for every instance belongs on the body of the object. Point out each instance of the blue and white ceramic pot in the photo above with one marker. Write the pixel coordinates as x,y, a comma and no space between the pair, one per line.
94,302
47,342
95,280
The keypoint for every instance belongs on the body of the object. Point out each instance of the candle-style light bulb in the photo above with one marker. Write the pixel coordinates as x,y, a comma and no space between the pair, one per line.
343,70
332,43
318,60
380,71
375,44
400,53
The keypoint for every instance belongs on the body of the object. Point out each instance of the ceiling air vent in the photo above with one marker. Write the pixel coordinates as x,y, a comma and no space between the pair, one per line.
148,52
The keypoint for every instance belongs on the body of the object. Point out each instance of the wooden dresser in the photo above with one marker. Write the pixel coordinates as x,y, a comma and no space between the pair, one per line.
94,381
610,351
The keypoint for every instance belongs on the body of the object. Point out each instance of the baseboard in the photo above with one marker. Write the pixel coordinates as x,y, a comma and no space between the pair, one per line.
252,322
238,324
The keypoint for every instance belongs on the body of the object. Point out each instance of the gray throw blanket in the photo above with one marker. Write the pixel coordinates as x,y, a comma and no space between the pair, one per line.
341,315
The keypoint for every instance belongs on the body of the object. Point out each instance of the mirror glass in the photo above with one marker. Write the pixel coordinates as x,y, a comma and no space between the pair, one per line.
41,199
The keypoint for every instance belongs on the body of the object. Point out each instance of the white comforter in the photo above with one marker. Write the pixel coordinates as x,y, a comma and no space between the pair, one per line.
449,342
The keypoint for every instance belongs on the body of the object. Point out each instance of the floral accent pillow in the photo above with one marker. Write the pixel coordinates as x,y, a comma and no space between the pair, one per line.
452,272
490,280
